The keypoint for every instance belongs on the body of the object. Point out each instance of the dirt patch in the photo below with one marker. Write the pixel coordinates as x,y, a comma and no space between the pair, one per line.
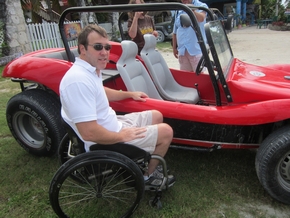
260,46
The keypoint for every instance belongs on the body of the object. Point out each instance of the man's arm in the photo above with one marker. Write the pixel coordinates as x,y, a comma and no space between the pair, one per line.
174,45
114,95
154,33
132,31
200,16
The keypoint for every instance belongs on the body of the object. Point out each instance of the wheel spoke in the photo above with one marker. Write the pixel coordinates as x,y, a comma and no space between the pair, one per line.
97,186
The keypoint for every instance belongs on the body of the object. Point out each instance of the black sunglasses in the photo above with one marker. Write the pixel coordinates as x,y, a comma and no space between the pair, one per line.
99,47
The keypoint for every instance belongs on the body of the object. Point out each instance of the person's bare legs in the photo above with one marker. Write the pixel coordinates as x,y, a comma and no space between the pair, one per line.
157,117
165,135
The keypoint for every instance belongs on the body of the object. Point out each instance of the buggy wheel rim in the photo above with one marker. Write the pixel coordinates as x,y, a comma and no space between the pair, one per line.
28,129
283,172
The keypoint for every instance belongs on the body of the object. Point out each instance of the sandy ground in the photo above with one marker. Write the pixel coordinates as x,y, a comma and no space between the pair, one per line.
253,45
261,46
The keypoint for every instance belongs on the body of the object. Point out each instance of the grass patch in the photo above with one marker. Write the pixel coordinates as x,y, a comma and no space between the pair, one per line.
1,70
218,184
7,90
164,46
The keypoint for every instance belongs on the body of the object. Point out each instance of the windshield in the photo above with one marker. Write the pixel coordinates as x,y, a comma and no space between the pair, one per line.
219,45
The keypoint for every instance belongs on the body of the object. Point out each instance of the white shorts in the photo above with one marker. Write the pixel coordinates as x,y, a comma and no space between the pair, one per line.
141,119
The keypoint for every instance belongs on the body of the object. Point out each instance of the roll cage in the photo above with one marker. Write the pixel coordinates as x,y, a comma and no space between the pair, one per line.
156,7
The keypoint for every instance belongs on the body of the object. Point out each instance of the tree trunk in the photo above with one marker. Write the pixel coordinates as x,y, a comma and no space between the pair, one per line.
49,10
84,16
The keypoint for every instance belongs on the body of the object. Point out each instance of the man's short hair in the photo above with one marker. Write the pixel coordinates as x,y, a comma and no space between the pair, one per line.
83,36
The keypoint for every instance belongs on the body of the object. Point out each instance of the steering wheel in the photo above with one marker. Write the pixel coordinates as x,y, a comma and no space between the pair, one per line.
200,65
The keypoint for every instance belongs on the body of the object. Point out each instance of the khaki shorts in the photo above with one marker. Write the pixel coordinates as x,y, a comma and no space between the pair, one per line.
141,119
188,62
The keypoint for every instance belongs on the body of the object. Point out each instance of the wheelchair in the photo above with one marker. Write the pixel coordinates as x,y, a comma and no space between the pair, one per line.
105,182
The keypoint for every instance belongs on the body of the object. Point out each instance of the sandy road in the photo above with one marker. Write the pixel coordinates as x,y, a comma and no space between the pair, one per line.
253,45
260,46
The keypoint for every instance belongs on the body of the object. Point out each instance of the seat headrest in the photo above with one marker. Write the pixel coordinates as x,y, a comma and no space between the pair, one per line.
129,50
150,42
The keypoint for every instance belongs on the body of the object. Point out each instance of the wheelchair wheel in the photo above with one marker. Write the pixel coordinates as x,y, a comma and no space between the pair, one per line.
109,184
63,149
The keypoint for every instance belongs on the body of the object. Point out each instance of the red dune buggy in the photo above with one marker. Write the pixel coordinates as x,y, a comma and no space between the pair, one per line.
239,106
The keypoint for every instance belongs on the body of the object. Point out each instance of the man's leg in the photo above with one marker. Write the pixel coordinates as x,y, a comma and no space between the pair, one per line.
194,61
157,117
184,62
165,135
159,135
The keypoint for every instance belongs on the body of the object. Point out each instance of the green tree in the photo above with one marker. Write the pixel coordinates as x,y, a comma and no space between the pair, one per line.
269,9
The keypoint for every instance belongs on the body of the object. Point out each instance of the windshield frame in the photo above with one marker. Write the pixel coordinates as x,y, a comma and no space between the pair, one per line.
221,52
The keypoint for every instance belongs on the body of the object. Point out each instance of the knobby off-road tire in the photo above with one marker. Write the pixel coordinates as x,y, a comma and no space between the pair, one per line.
97,184
34,119
273,164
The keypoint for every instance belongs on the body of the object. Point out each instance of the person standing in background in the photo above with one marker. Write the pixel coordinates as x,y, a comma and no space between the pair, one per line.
139,24
184,41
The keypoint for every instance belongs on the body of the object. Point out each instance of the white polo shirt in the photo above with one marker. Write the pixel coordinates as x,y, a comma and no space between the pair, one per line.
83,99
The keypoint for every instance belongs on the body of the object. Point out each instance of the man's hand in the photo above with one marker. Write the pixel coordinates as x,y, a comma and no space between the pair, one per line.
138,14
155,33
129,134
175,52
92,131
114,95
139,96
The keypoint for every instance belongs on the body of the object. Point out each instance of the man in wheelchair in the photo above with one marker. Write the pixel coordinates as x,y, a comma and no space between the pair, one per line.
85,107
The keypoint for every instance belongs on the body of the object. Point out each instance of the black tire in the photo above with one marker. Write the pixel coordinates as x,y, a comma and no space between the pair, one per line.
109,185
273,164
160,37
63,149
34,119
229,23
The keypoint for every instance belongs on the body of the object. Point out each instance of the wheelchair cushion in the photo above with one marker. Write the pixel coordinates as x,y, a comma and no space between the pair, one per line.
128,150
